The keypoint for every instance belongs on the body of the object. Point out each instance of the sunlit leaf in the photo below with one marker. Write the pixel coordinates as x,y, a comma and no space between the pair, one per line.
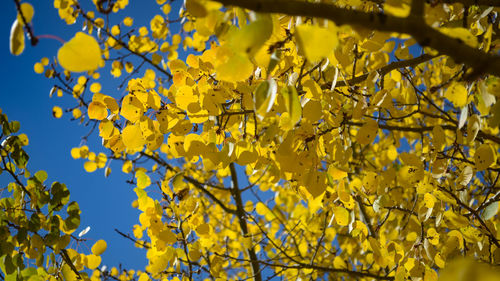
81,53
316,42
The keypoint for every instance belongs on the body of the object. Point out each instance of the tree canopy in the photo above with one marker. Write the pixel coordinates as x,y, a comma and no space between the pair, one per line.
296,140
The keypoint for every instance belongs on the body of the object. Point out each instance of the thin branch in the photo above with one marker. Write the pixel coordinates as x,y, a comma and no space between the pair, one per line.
240,213
143,244
382,71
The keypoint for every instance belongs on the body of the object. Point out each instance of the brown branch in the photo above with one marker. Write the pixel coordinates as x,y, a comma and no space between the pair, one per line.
143,244
412,25
240,213
382,71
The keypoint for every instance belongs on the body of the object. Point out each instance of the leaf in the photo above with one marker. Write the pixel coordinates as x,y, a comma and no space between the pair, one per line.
228,61
251,37
490,211
99,247
57,112
462,34
473,127
97,110
484,157
292,104
456,94
132,137
28,13
143,179
16,39
341,215
93,261
314,182
132,108
367,133
81,53
315,42
264,97
465,176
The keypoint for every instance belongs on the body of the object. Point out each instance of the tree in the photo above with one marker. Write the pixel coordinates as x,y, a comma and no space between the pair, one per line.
290,139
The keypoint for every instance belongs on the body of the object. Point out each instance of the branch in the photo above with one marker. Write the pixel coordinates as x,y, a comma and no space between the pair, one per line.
383,70
412,25
240,213
143,244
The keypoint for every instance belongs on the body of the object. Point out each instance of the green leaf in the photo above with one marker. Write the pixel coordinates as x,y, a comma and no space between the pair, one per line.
8,265
60,196
20,157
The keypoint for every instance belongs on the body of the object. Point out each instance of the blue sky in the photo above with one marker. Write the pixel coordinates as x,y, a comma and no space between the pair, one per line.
24,96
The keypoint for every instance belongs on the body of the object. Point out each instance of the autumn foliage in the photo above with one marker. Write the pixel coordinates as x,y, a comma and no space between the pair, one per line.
318,140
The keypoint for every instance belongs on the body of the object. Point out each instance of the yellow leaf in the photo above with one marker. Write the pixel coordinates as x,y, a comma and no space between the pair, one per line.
99,247
132,137
228,61
28,13
438,138
97,110
143,180
194,254
132,108
16,40
314,181
367,133
57,112
439,260
462,34
127,167
429,200
90,166
430,274
251,37
341,215
457,94
93,261
484,157
292,104
336,173
397,8
203,229
315,42
196,8
38,67
81,53
68,273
